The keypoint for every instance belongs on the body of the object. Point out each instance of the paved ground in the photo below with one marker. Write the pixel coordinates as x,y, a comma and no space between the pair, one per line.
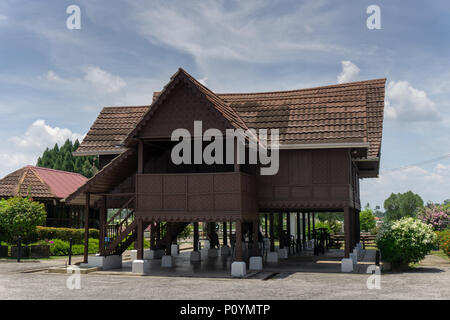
425,282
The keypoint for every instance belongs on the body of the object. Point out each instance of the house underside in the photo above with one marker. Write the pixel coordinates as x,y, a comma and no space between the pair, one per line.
330,137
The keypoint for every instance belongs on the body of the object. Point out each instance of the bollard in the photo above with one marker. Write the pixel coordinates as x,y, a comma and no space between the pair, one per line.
19,248
70,251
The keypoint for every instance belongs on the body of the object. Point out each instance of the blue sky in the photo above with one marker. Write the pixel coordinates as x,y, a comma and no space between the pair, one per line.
54,81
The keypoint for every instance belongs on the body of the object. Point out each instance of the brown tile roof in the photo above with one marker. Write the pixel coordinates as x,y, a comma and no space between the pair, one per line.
341,113
227,111
41,183
349,112
112,125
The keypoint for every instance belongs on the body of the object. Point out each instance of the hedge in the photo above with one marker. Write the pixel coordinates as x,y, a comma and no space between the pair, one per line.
61,248
65,234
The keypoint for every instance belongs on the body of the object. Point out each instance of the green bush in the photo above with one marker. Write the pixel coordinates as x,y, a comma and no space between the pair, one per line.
444,241
19,217
404,241
65,234
61,248
332,226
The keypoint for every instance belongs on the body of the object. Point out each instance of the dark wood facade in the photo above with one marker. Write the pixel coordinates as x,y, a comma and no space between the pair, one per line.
312,177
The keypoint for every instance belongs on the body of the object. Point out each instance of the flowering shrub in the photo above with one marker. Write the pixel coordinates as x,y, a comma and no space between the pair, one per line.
19,217
444,241
404,241
435,215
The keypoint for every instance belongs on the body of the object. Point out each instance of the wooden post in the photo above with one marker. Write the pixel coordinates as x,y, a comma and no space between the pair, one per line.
103,211
280,230
238,241
158,232
86,227
196,239
347,232
314,221
224,231
140,240
288,227
152,235
255,238
358,227
299,247
272,233
309,226
231,231
265,225
70,217
304,227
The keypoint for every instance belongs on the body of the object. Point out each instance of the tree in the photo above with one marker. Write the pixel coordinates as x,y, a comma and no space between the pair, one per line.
61,158
19,217
367,219
400,205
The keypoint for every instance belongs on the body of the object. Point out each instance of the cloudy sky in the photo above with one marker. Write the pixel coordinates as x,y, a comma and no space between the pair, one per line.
54,81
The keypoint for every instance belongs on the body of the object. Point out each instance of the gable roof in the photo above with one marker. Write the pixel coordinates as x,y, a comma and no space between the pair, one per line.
216,102
112,125
348,113
41,183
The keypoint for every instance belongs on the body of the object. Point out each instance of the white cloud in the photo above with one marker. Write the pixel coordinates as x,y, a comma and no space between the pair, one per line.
418,180
234,31
104,81
349,72
23,150
406,103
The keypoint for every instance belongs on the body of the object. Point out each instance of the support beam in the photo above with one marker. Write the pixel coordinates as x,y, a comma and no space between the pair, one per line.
140,239
272,233
304,228
103,218
196,238
255,238
238,241
299,247
358,227
86,227
265,226
280,230
347,232
288,227
314,221
309,226
224,231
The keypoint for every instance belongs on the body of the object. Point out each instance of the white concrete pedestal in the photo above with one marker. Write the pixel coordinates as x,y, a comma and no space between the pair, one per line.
238,269
354,258
272,257
106,263
225,251
282,253
174,249
166,261
196,256
255,263
346,265
212,253
140,266
133,255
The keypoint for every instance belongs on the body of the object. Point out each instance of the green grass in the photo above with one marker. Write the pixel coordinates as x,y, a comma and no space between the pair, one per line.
440,253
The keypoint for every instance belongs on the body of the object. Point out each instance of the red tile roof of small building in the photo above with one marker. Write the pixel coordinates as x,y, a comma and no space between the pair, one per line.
41,183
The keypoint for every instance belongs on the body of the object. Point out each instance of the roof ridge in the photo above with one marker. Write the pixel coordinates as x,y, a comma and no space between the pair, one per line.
54,170
346,84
